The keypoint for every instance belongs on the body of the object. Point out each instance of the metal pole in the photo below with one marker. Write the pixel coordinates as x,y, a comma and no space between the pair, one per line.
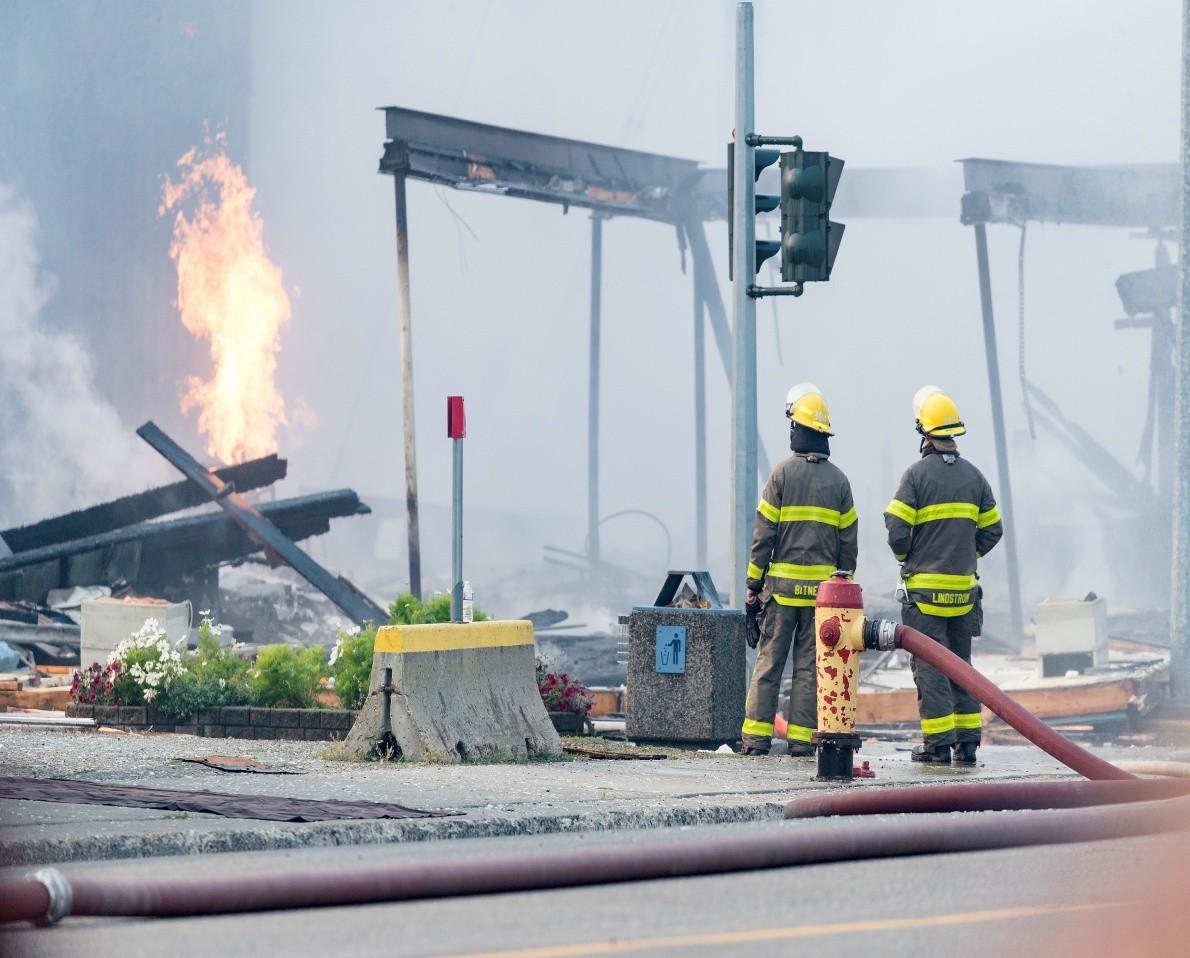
989,341
456,552
743,393
1179,596
407,386
717,318
593,394
700,425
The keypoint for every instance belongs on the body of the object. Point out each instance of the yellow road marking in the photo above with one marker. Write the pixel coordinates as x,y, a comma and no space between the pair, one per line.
453,636
714,939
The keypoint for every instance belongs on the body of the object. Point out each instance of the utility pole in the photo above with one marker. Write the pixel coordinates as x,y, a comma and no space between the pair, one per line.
1179,598
743,385
411,517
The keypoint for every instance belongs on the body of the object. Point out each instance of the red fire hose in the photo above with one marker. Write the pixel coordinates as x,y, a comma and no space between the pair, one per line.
982,797
50,895
1031,727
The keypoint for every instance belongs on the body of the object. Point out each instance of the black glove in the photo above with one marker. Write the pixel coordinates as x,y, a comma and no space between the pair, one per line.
752,620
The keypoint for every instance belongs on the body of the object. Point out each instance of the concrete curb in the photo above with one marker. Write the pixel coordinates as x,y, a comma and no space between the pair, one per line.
261,836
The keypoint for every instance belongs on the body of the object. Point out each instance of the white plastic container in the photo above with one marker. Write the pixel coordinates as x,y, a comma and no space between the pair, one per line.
1071,634
107,622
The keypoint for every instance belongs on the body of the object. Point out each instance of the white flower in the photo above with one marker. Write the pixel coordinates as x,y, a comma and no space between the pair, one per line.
338,647
205,613
223,683
150,694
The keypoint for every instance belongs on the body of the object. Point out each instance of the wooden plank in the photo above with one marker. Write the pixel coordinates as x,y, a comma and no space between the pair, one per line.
1132,692
54,699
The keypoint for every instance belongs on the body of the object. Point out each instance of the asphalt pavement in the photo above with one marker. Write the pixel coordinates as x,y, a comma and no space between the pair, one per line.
685,789
1113,898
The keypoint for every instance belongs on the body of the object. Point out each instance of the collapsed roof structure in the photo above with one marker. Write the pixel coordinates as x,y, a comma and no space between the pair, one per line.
126,544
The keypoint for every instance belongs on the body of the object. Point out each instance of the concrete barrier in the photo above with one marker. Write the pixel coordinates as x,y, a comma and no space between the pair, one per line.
461,692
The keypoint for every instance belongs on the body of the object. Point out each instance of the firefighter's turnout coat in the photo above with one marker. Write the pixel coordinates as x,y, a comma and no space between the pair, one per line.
806,529
942,520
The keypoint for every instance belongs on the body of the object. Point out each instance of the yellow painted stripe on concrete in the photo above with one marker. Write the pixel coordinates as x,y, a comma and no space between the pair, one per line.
679,944
453,636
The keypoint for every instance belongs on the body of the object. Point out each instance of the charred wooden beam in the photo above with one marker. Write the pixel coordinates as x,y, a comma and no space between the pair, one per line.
151,554
139,507
257,526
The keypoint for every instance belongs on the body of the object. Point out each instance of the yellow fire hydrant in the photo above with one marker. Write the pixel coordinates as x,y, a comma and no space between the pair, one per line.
839,629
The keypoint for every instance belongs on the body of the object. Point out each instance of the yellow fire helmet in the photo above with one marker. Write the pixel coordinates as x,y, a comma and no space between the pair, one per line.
936,414
804,404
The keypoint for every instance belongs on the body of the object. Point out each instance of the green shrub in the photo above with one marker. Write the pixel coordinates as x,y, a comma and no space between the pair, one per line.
351,658
410,610
214,676
218,668
351,664
285,677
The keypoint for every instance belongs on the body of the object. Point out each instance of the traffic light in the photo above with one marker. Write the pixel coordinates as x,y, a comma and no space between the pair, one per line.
809,240
765,203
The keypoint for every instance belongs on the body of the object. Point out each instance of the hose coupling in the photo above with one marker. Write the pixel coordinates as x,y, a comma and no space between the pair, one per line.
880,634
58,888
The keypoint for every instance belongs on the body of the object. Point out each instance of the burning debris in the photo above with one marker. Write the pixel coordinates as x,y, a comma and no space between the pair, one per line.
126,546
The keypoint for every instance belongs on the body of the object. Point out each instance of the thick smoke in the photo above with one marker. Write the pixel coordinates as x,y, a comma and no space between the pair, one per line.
61,443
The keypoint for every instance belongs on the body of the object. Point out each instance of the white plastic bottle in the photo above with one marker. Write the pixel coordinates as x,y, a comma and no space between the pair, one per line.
468,602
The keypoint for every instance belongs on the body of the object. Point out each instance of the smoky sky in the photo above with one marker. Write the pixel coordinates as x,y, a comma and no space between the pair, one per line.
500,287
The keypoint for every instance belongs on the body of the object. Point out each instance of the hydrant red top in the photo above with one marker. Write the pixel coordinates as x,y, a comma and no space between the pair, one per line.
839,592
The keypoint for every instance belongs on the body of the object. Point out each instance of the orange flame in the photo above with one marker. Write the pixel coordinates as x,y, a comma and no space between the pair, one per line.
230,293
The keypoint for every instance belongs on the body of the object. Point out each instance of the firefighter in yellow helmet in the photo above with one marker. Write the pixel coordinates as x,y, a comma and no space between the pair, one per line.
942,520
806,529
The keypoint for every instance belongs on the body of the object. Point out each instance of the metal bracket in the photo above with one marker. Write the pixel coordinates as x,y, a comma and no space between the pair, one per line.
755,139
759,292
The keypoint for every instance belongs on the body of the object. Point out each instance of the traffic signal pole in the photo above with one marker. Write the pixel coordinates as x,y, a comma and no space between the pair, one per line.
743,383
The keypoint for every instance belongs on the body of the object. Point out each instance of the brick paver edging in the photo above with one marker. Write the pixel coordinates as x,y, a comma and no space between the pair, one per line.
228,721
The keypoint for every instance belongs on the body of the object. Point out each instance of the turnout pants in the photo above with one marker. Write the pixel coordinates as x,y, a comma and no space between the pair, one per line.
781,627
948,714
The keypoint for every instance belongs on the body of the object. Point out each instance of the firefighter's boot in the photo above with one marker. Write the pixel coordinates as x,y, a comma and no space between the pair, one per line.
964,753
932,754
801,750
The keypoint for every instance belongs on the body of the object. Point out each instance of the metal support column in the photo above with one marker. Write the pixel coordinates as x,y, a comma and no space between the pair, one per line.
700,424
716,314
456,513
989,339
743,392
407,386
593,394
1179,598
